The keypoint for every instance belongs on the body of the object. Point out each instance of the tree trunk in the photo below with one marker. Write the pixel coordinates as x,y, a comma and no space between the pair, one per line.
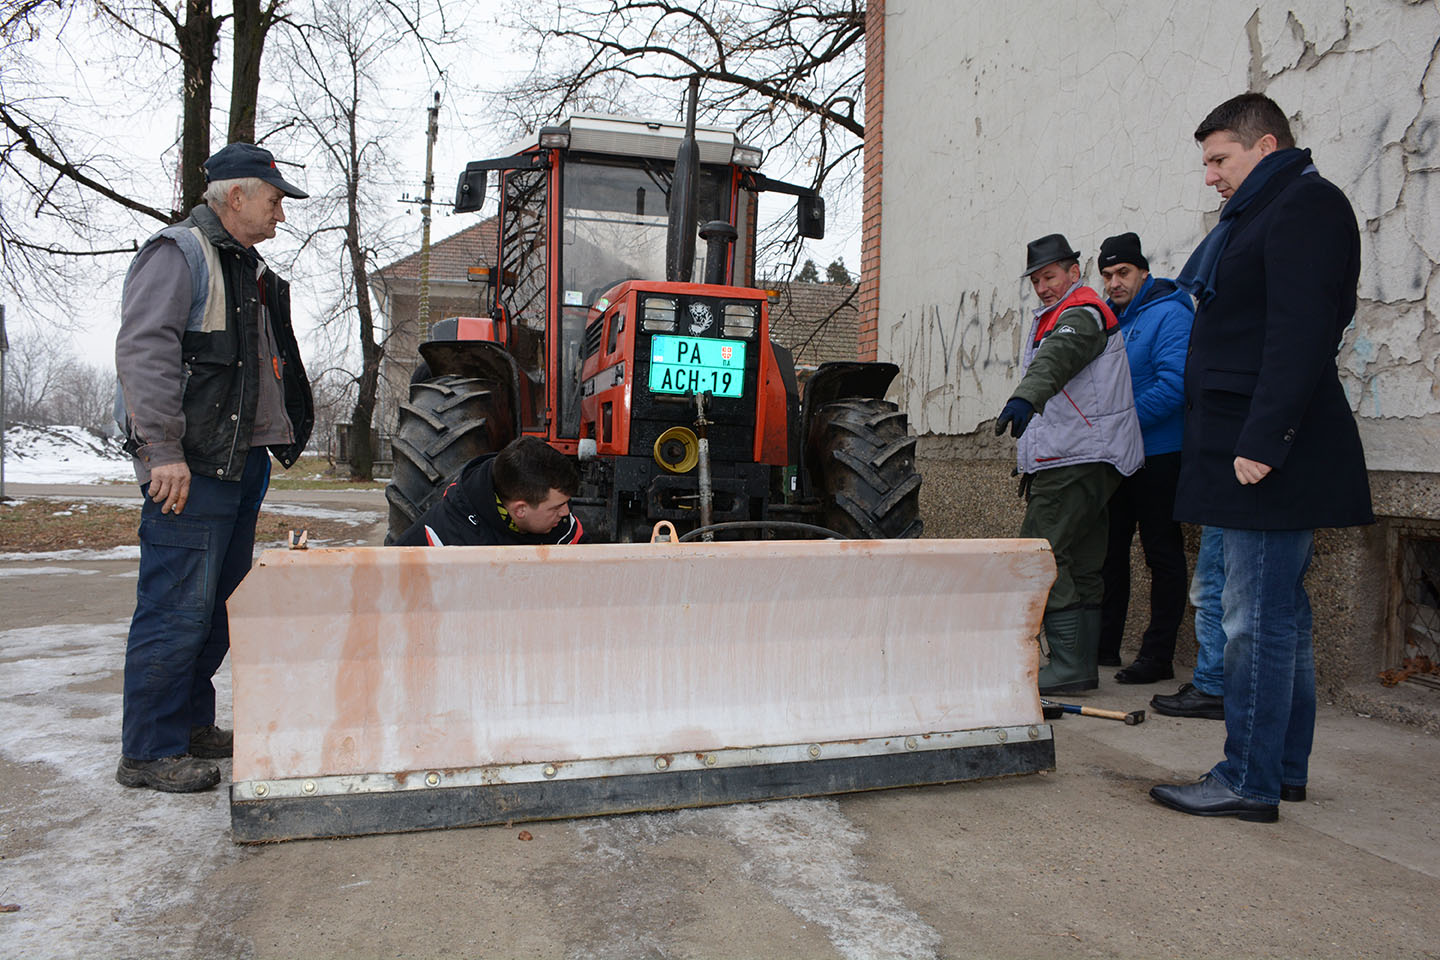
362,457
251,26
197,39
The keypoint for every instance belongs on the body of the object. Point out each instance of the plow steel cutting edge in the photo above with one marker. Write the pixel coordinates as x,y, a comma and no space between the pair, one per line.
389,689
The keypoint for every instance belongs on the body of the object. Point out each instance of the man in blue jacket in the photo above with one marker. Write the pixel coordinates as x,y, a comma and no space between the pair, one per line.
1154,316
1271,450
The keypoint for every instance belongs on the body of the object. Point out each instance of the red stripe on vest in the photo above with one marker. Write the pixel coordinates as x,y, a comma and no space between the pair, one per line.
1082,297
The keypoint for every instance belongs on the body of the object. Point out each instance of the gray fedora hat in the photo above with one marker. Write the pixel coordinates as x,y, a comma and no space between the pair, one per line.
1051,248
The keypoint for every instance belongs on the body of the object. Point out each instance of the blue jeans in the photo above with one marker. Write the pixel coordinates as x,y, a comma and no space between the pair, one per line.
1269,662
1206,588
190,563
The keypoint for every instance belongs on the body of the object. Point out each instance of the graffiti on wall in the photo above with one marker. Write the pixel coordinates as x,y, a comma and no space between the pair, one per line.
955,358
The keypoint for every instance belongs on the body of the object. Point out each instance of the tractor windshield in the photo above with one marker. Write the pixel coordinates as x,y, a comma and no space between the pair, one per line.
616,222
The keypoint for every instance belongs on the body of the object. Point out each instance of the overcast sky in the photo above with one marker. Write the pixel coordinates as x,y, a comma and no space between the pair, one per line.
140,124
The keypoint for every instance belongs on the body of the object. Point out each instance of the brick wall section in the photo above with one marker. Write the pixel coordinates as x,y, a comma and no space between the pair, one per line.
874,157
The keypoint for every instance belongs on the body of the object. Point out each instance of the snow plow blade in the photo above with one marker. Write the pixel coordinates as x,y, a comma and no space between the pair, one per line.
381,690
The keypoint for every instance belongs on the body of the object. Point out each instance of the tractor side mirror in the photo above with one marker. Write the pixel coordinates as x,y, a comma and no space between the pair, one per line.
811,211
470,191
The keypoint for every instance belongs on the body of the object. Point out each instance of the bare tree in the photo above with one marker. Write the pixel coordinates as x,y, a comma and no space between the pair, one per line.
787,75
34,375
333,62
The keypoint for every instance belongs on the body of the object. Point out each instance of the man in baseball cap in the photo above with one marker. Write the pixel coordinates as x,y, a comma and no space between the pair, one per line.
211,384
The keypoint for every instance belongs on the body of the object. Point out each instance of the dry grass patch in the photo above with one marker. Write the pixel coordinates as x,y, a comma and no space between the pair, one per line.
36,525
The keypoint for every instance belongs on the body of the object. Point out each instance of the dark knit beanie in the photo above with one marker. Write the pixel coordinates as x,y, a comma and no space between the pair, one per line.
1122,249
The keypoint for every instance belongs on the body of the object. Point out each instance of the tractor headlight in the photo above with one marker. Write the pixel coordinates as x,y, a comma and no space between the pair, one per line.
740,319
659,314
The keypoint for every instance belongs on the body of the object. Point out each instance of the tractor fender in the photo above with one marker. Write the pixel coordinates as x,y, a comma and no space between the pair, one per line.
840,380
482,359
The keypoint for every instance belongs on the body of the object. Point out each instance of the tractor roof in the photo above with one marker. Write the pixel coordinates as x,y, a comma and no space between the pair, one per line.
633,137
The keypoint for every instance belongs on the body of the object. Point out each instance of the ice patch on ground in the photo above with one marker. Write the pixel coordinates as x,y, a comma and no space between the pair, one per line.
112,859
352,517
77,556
31,571
801,851
63,455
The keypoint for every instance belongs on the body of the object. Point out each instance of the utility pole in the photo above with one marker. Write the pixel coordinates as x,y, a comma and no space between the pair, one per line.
432,131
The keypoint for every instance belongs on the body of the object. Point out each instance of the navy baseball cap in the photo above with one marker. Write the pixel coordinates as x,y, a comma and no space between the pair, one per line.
235,161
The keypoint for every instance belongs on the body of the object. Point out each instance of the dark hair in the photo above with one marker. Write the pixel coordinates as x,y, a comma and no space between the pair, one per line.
529,468
1247,118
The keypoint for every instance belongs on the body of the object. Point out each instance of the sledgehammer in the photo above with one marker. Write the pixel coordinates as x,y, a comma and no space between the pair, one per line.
1053,710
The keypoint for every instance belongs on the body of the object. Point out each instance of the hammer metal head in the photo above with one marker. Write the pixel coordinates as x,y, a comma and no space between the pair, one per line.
1134,717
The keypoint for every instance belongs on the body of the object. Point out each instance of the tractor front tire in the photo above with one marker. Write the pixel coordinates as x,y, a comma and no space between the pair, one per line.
447,422
862,464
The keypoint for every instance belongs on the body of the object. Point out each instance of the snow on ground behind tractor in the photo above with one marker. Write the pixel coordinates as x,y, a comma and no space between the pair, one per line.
63,455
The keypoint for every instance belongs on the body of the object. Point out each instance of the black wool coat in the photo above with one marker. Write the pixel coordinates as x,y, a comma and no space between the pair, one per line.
1260,375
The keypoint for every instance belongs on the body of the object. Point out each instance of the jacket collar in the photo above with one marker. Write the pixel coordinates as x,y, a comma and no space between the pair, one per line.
215,232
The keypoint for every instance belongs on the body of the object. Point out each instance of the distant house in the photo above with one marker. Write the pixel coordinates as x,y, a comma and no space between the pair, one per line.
815,321
396,289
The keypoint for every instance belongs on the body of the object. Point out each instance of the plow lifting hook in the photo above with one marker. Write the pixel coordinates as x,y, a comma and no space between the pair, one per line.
707,492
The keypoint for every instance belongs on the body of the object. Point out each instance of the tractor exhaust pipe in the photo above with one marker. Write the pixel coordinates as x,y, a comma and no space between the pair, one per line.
680,241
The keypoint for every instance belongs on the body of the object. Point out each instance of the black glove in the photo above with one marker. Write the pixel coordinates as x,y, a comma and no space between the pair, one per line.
1017,414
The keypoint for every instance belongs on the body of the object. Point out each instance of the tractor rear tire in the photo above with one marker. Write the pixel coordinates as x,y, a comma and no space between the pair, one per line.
862,464
447,422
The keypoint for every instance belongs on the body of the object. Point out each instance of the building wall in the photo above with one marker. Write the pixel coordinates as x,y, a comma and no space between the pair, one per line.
1027,119
1002,123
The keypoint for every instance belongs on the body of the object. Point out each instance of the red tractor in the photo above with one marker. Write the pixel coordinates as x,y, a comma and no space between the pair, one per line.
670,392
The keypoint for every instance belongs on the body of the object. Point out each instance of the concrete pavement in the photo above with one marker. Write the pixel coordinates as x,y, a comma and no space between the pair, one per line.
1078,863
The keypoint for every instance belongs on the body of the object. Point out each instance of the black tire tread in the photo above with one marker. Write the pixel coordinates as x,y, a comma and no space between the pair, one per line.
862,462
447,422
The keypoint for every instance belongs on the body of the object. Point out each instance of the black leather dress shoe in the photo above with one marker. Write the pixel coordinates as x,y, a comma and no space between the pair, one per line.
1211,798
1292,793
1145,671
1189,702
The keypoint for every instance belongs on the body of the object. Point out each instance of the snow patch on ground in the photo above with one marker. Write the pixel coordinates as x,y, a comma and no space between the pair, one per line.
113,859
63,455
801,851
31,571
77,555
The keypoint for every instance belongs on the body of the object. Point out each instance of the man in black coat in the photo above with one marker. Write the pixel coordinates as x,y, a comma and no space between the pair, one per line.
520,495
1270,449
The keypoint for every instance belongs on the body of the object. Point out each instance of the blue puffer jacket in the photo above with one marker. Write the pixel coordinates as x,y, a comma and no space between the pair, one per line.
1156,326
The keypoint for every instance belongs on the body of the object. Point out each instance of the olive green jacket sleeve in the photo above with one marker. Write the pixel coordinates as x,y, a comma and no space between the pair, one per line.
1078,338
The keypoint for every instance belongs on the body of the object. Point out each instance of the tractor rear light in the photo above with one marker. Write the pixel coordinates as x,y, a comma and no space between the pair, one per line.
746,155
659,314
740,319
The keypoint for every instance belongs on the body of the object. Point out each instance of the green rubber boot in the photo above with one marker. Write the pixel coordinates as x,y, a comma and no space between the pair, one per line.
1074,638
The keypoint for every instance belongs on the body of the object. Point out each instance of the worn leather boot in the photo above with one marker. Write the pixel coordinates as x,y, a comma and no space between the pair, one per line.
1073,636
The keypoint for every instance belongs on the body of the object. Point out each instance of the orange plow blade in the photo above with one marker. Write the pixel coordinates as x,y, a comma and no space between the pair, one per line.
392,689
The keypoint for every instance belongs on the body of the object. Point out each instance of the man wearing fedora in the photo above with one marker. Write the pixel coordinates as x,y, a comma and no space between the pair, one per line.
1154,316
1074,416
210,384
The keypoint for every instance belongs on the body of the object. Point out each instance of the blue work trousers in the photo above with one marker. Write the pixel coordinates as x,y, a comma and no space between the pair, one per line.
190,563
1269,662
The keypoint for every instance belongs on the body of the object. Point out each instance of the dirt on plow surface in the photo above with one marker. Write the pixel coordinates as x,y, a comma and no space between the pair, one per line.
1071,864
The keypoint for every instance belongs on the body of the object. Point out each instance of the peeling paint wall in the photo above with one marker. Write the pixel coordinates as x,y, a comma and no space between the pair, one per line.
1007,122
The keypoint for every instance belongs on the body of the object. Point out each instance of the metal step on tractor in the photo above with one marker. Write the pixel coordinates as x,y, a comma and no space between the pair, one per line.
672,394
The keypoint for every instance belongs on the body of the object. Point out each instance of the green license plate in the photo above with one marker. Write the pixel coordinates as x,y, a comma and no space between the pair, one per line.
697,364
